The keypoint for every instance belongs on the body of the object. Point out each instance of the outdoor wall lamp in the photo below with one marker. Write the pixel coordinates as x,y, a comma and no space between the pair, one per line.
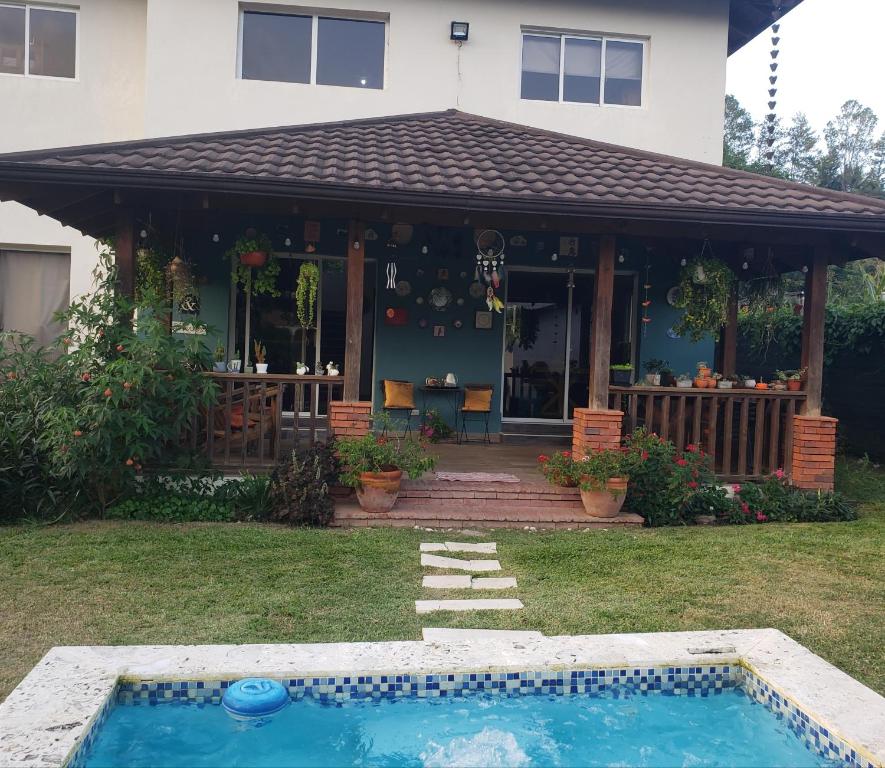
460,31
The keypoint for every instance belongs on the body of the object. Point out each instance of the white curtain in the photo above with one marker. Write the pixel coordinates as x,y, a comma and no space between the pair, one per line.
33,287
623,61
583,58
540,54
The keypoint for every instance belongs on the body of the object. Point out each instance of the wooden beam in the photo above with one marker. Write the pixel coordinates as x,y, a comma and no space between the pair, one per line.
354,314
124,251
601,328
813,320
729,336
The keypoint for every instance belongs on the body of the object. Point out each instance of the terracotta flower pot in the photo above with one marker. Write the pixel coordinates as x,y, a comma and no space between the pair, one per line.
253,259
606,502
794,385
704,373
378,491
700,383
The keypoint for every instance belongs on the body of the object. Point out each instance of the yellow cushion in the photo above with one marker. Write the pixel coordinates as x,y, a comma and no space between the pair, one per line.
398,394
477,400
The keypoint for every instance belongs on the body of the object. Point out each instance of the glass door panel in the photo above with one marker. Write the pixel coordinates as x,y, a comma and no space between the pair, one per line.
535,344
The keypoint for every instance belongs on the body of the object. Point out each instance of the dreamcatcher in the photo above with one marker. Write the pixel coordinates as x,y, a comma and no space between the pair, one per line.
490,257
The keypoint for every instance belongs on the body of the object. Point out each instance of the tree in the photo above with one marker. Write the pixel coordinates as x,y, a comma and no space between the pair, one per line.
739,137
776,165
801,155
849,140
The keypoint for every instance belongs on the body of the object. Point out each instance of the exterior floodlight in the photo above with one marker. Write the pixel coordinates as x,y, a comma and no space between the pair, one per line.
460,31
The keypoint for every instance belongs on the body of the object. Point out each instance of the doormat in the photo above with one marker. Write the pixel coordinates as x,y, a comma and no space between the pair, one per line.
477,477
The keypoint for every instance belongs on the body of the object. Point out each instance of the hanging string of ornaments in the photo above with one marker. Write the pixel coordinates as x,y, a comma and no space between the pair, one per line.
646,302
490,265
771,117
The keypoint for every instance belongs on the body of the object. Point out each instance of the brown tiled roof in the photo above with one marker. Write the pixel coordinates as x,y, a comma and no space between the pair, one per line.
451,159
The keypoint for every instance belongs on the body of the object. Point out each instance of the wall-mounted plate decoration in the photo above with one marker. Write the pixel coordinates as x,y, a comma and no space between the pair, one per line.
440,298
674,295
457,323
671,333
463,275
403,288
396,316
439,331
483,321
419,272
477,290
518,241
419,300
460,301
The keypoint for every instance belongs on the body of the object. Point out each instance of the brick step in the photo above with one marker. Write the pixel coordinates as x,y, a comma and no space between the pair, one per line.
406,514
511,491
536,502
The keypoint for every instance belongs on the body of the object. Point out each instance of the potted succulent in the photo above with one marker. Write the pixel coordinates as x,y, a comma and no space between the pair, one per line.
219,364
704,370
780,381
748,381
374,466
622,374
603,482
792,379
728,382
653,370
301,368
684,381
260,357
332,369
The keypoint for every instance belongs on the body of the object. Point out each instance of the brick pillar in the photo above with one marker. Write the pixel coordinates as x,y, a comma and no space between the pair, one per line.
349,419
814,452
595,430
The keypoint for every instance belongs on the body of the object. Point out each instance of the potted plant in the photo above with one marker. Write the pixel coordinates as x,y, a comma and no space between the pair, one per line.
780,381
794,379
728,382
748,381
653,370
252,250
260,357
560,469
332,368
219,363
621,374
705,288
704,370
603,482
301,368
374,466
684,381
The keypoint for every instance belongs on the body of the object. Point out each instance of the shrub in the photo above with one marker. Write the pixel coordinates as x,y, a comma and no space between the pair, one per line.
170,507
776,500
250,496
300,486
560,469
82,418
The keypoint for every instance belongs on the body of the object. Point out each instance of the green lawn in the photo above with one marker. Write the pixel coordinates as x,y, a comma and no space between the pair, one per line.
115,583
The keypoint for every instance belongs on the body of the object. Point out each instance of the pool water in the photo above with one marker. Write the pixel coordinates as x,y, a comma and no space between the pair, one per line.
728,729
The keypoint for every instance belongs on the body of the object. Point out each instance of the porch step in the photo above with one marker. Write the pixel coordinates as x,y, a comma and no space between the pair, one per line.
435,493
461,515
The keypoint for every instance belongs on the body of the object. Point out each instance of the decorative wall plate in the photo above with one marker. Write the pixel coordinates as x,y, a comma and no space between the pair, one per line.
440,298
460,301
673,295
671,333
477,290
458,323
419,300
403,288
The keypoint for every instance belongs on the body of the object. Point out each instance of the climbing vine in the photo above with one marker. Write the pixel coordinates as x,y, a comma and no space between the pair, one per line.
150,277
705,286
306,293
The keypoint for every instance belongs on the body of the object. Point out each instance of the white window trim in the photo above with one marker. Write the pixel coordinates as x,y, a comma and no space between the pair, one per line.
314,15
562,37
41,7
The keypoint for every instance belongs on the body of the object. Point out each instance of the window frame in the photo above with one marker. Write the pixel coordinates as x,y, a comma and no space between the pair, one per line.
314,14
75,10
599,37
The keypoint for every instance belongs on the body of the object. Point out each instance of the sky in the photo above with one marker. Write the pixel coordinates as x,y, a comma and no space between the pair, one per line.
830,51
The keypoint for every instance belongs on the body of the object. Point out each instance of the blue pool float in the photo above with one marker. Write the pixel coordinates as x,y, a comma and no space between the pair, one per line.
254,697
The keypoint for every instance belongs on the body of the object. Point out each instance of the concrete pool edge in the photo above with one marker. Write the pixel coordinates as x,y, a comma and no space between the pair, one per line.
45,718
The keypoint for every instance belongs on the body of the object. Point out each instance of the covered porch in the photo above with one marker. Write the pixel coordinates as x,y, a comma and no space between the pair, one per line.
410,222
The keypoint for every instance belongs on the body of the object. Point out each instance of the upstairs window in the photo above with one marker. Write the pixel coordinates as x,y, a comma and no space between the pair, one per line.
586,70
321,50
37,41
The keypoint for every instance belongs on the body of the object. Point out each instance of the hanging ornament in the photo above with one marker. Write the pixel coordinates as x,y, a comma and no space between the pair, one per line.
492,301
391,275
646,301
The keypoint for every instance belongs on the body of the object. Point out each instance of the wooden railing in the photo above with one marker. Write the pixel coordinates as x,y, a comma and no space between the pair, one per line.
259,418
748,433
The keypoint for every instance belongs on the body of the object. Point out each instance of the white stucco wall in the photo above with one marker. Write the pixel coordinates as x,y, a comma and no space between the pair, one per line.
192,84
104,103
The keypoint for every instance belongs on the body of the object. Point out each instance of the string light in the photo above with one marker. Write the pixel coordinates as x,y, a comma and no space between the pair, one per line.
215,238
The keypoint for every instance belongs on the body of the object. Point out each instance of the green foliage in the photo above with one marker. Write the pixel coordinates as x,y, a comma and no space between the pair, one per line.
300,487
261,280
105,401
171,508
775,500
150,275
374,453
249,496
599,467
306,289
705,300
560,469
435,428
656,366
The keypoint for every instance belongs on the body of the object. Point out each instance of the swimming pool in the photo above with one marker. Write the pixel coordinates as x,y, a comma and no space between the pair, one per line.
702,717
512,697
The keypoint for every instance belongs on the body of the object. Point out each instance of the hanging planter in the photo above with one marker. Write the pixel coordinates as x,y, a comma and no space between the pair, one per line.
704,289
254,251
253,258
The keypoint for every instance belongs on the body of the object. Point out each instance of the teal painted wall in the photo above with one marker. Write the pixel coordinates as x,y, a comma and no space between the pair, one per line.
474,355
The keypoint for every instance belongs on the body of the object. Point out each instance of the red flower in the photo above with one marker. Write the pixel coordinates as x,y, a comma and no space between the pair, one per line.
119,347
736,488
745,508
761,518
692,484
542,458
780,474
86,376
644,455
567,454
107,392
681,462
691,447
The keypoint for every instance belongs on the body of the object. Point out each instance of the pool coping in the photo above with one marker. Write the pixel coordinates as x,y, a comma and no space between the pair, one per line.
40,728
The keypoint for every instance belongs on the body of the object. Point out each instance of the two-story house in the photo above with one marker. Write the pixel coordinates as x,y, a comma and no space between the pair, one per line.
506,191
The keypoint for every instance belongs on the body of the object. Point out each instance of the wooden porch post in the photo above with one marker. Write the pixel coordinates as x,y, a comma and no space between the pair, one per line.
601,330
354,317
729,337
124,251
813,318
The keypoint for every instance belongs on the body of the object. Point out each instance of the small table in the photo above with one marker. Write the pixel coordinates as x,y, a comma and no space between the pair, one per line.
454,402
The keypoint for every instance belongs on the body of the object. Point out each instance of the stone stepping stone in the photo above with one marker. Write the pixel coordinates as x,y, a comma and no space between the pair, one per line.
429,606
437,561
448,635
507,582
446,582
486,548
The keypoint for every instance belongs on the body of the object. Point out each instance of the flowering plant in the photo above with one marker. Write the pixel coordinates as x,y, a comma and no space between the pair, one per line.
560,469
434,427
